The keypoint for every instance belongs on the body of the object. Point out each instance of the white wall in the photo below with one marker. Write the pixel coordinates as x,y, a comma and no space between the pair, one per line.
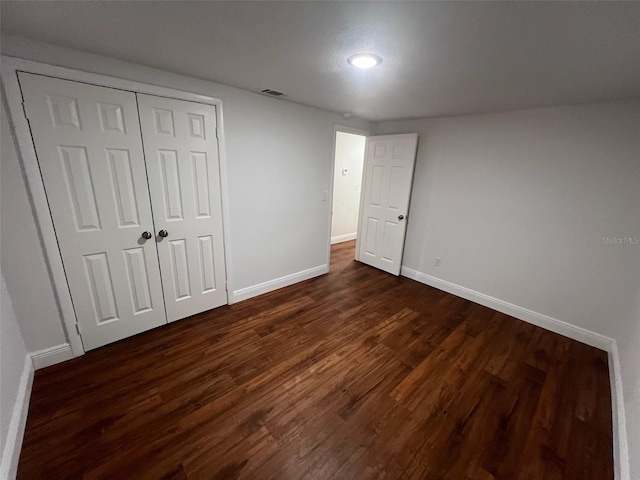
14,385
13,355
349,155
22,256
629,351
279,158
517,204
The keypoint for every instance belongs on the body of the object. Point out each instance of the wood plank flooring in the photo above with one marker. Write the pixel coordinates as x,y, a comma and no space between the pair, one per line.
353,375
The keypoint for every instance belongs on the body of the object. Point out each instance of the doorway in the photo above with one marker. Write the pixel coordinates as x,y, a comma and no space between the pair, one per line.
386,191
349,152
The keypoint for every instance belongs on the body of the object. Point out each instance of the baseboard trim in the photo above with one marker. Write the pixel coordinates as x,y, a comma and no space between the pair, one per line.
343,238
265,287
51,356
544,321
620,445
15,434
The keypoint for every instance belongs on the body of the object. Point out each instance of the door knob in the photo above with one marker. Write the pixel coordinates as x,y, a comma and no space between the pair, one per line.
163,233
400,217
146,235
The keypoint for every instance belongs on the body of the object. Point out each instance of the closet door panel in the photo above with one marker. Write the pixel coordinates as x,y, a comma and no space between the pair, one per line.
89,149
181,151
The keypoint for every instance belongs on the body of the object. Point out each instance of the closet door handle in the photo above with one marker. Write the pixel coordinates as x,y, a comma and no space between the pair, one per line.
163,233
146,235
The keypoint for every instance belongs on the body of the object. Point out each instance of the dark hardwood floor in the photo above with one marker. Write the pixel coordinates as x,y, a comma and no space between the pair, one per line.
353,375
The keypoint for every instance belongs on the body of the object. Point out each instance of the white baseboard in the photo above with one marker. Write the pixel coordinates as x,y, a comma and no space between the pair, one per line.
15,434
255,290
620,444
13,445
548,323
51,356
343,238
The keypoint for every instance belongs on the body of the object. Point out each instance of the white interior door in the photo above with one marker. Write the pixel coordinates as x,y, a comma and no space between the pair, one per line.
388,174
87,139
181,149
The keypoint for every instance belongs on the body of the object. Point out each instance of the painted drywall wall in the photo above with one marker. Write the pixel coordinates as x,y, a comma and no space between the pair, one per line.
22,256
279,158
347,179
519,206
541,209
12,357
629,352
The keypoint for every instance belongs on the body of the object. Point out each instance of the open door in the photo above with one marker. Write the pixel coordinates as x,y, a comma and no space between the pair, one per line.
388,174
347,185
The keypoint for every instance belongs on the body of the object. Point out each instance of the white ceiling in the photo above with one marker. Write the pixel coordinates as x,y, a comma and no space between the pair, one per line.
439,59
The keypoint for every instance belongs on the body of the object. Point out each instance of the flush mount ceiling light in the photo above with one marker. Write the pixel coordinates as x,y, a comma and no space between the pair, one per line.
364,60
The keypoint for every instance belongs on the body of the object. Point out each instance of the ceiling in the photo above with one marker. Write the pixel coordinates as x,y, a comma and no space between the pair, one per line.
439,58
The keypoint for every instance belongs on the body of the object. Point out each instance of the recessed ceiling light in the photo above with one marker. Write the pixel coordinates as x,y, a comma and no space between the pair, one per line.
364,60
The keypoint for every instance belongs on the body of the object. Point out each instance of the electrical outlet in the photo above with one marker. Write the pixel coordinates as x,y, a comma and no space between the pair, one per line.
437,261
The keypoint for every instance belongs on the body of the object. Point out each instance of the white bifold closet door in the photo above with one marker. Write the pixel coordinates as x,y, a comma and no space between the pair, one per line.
134,192
87,140
181,149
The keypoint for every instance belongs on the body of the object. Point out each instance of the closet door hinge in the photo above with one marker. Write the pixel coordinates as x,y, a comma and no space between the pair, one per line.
24,109
216,129
78,329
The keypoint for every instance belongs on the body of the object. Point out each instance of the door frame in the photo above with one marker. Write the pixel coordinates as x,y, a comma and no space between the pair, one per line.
35,185
344,129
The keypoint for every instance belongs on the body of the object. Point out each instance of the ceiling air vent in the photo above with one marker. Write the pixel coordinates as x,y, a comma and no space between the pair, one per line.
273,93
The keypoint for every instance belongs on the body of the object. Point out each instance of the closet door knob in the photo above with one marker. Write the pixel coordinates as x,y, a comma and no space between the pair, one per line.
163,233
400,217
146,235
